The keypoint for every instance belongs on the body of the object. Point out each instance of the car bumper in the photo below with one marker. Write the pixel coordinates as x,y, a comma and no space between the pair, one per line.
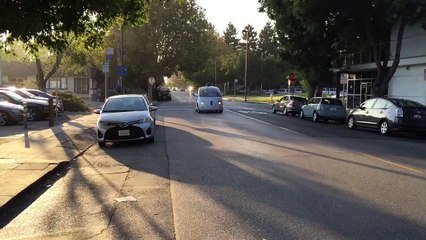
133,132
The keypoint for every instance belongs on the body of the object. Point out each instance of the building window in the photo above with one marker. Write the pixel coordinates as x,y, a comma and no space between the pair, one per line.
81,85
15,80
57,83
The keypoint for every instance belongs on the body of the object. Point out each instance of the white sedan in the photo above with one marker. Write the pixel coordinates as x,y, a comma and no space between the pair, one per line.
126,118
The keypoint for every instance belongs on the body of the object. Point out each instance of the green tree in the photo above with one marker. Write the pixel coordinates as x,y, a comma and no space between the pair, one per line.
177,39
308,35
48,23
230,36
268,45
249,35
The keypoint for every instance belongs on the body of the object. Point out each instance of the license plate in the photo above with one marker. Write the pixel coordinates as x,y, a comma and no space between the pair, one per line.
417,116
123,133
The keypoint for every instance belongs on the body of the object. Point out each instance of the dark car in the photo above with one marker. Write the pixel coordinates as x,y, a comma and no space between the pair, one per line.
25,94
162,94
39,93
289,104
10,113
389,114
37,109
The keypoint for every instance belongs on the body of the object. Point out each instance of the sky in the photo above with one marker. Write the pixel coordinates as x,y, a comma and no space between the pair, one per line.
238,12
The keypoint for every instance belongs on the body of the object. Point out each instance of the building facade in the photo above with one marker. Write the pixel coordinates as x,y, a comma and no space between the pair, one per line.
409,80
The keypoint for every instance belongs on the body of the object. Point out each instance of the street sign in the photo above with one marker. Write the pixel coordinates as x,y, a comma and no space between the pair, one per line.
105,67
122,71
109,53
151,80
292,77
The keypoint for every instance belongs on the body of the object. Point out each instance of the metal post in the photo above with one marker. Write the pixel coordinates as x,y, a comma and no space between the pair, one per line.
25,115
51,112
122,57
106,87
245,72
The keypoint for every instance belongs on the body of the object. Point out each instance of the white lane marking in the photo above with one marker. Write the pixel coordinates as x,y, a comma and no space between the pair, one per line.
269,124
255,112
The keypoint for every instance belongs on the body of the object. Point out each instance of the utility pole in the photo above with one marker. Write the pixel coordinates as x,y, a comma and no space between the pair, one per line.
121,57
245,72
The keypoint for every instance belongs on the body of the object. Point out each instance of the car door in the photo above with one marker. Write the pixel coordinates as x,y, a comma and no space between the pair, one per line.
363,114
278,104
310,106
378,111
283,103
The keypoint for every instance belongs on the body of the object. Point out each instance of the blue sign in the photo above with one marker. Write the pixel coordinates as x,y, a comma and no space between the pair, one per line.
122,71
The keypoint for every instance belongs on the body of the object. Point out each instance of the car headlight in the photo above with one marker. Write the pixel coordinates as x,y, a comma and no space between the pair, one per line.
105,123
202,103
145,120
220,102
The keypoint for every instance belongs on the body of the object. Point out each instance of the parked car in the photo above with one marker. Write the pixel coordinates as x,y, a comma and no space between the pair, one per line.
388,115
25,94
289,104
39,93
37,109
321,108
208,99
125,118
282,91
163,94
10,113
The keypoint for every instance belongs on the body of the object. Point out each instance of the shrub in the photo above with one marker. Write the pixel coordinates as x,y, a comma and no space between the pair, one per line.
72,102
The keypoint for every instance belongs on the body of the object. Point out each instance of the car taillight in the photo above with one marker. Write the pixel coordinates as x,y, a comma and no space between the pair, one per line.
399,112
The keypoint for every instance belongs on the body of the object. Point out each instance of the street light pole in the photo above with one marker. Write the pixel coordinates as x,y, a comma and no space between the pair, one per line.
121,56
245,72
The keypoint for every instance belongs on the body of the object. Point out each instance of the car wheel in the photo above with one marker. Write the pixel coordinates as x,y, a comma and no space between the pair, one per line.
32,114
315,117
302,115
384,127
4,118
102,143
285,111
273,109
221,111
351,122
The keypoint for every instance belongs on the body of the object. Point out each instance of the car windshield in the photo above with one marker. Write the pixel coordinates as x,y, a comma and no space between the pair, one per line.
14,96
27,93
332,101
298,99
209,92
125,104
405,103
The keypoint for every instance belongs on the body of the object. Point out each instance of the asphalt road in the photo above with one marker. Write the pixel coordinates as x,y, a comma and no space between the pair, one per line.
243,174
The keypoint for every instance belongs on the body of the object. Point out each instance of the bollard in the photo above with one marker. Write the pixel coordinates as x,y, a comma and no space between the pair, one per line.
25,115
50,112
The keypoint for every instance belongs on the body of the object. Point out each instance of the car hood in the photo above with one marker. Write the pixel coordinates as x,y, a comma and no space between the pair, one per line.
120,117
35,101
10,105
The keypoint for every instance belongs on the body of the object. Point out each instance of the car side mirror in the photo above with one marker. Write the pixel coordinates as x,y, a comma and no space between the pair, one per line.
153,108
362,108
97,111
195,95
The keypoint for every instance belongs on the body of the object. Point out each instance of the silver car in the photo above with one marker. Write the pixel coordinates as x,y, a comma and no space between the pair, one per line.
320,108
208,99
125,118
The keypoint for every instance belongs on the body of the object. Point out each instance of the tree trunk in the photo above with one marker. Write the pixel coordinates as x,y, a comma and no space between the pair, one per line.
385,73
40,77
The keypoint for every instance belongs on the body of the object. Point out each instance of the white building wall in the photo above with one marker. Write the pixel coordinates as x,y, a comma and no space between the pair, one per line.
413,43
409,80
409,83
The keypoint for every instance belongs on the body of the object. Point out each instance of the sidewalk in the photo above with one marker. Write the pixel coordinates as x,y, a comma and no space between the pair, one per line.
39,153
